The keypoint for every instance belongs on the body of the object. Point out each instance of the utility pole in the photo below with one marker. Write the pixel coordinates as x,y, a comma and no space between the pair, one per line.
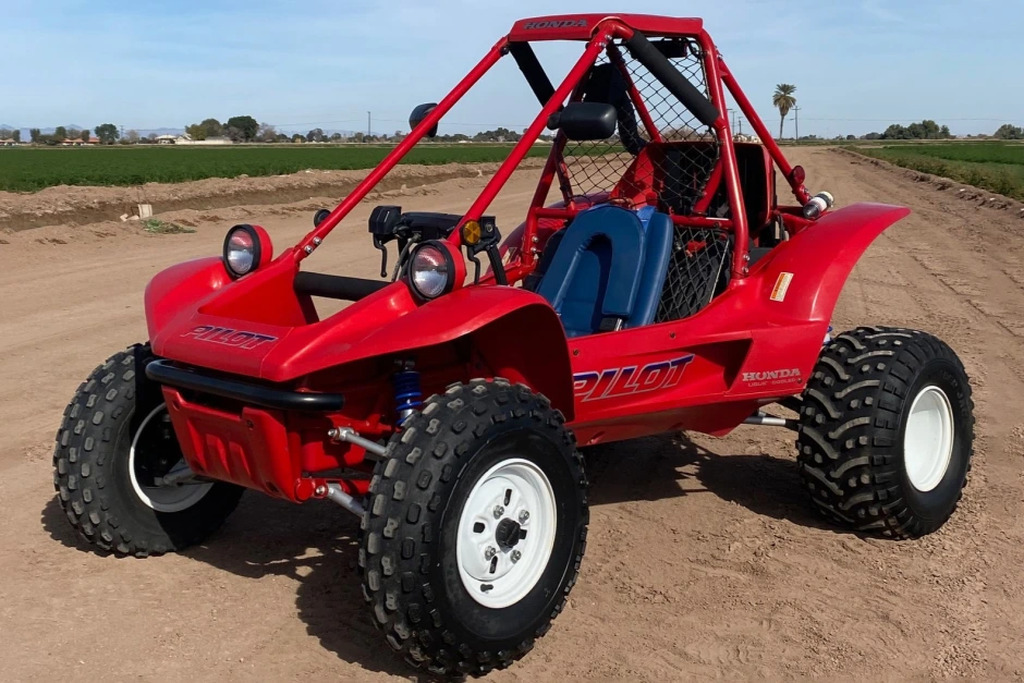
796,112
368,133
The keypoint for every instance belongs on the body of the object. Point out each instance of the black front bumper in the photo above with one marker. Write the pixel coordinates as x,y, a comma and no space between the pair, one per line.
164,372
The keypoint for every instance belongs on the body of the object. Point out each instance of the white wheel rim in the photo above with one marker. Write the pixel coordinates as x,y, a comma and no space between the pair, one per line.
928,439
513,495
174,498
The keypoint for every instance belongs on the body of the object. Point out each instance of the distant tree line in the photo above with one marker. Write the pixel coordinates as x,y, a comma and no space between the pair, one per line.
925,130
247,129
106,134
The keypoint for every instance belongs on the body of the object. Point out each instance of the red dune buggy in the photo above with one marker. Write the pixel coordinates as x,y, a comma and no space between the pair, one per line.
661,288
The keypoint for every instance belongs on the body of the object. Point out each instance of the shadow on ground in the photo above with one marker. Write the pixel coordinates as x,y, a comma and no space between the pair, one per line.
318,543
670,466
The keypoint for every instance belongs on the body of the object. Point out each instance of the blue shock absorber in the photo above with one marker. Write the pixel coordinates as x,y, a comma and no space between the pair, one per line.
408,395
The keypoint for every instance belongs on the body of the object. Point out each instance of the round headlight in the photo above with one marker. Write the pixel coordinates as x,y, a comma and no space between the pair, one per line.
243,250
431,270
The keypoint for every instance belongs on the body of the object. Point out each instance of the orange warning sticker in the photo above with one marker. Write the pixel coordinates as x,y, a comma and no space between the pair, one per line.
781,287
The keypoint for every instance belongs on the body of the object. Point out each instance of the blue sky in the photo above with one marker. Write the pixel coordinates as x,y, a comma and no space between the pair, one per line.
857,64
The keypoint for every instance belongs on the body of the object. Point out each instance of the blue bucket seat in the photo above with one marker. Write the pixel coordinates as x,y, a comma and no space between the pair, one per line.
608,270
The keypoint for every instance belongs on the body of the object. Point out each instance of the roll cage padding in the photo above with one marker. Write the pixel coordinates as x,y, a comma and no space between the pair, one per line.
659,66
534,73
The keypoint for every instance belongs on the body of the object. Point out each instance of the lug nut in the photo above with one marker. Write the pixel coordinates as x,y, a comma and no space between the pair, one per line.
516,555
523,517
490,553
498,511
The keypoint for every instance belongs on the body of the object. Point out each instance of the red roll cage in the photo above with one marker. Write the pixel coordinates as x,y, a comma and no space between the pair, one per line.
599,31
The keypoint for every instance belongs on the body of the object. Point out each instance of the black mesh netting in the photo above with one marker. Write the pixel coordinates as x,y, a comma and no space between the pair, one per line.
677,174
696,272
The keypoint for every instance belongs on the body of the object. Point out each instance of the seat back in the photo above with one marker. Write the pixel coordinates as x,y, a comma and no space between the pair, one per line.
593,278
657,255
599,277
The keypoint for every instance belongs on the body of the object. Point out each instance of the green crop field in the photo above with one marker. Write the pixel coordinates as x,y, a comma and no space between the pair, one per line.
28,168
994,166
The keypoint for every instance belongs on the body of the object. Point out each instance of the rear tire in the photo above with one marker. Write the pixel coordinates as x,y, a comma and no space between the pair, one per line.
476,528
112,443
887,431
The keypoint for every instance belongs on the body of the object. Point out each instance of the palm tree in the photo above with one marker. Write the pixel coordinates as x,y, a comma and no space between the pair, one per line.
784,101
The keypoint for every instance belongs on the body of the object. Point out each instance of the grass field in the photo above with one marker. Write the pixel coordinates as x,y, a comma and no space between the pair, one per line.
995,166
28,169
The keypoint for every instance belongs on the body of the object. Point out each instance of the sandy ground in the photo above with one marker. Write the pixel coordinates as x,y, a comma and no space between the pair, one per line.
704,560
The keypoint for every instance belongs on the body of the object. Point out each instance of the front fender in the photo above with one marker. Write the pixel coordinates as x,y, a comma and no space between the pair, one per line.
516,332
816,263
178,288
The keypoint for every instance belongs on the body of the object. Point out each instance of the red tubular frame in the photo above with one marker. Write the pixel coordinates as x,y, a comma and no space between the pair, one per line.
313,239
607,27
634,95
504,172
799,191
727,157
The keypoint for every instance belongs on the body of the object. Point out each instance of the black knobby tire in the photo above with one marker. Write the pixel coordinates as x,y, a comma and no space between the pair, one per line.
410,573
91,463
853,420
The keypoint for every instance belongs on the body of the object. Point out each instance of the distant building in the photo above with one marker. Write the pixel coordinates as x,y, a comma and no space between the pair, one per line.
166,139
740,137
186,139
79,142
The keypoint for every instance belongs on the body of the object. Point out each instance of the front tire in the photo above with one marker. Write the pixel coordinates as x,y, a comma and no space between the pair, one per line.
887,431
476,528
114,446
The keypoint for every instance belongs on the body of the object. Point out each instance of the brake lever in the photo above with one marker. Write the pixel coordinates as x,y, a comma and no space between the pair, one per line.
476,268
383,255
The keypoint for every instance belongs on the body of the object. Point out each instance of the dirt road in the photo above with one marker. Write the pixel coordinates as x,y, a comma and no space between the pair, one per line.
704,559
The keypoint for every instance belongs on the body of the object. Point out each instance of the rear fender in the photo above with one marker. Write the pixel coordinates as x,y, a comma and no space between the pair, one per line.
802,278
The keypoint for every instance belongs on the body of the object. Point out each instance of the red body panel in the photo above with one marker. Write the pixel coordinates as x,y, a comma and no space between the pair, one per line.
747,348
243,447
755,343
